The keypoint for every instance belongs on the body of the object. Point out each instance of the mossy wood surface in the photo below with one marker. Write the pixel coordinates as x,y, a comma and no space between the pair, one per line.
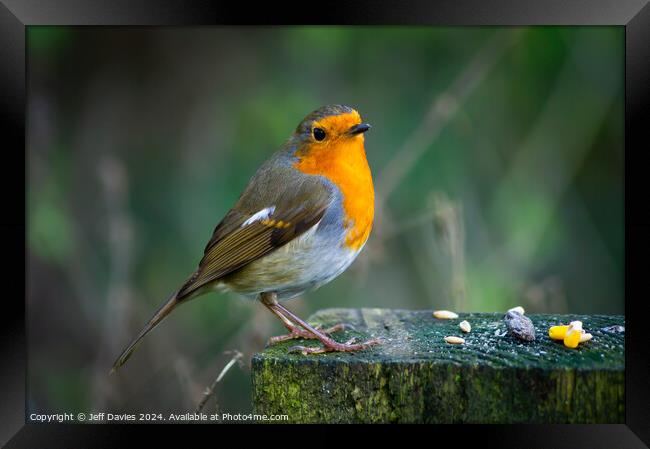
415,376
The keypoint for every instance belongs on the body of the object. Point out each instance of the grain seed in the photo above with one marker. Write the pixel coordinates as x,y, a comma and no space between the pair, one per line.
445,314
454,340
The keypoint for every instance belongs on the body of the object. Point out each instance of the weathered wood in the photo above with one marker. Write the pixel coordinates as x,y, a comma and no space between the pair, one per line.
416,377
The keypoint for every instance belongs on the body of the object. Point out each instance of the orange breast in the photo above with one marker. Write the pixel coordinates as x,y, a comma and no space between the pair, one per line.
344,163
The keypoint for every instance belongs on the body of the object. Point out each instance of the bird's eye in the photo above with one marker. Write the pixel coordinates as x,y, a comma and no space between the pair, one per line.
319,134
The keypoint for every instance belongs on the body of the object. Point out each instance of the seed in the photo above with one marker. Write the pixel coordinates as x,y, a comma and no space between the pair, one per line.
518,309
455,340
585,337
573,337
558,332
445,314
575,325
573,334
465,326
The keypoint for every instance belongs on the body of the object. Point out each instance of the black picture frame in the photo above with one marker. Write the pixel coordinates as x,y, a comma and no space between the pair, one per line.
15,15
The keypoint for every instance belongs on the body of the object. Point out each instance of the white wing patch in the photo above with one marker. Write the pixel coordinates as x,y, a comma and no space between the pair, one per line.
258,216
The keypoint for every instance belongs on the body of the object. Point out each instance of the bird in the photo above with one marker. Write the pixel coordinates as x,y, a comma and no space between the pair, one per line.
303,218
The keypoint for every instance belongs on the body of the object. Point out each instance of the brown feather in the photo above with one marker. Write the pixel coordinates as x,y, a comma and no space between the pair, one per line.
160,314
227,253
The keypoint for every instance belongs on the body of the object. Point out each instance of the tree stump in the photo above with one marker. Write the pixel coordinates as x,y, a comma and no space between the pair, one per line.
416,377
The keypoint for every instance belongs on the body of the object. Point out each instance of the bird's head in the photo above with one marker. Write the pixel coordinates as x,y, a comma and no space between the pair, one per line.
330,143
330,125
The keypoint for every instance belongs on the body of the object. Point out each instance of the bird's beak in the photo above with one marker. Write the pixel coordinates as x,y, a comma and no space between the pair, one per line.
358,129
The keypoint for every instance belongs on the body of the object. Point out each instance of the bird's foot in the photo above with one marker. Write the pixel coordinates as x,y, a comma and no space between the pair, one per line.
348,346
297,332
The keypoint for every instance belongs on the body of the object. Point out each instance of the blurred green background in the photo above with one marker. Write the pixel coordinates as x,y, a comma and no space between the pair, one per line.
497,155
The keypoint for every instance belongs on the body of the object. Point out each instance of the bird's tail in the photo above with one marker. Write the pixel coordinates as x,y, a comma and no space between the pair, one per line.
160,314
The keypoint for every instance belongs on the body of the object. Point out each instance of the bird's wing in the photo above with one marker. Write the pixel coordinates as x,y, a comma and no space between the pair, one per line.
242,237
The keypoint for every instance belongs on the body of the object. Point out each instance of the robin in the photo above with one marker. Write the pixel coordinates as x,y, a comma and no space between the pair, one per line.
301,221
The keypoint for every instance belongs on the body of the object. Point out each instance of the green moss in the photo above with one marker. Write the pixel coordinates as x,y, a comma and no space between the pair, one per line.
416,377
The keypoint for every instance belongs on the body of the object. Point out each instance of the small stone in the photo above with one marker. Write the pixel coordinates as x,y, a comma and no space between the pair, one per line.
465,326
520,326
445,314
614,329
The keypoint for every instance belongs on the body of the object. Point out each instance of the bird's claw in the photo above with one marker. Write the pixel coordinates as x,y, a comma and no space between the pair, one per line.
348,346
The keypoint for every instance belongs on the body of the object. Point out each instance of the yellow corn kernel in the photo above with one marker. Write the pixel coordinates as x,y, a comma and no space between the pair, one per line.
572,338
558,332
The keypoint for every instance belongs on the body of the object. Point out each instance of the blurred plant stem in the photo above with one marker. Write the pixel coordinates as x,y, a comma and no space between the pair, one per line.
114,187
539,166
443,108
209,392
448,223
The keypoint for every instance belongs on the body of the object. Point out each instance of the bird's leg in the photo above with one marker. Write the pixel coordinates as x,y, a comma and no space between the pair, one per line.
330,345
270,301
